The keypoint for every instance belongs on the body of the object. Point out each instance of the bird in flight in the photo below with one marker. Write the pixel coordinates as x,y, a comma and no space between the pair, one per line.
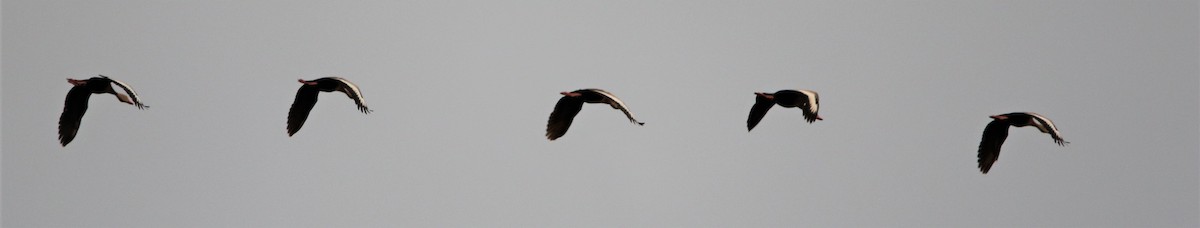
997,131
807,100
569,105
306,98
77,103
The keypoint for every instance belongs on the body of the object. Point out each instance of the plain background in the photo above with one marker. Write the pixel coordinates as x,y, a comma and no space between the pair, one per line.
462,89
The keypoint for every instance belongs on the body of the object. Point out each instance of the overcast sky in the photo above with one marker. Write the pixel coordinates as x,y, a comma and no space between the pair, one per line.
462,90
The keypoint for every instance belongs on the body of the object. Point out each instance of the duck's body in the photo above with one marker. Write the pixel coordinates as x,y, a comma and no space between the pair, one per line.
806,100
997,131
306,98
572,102
76,103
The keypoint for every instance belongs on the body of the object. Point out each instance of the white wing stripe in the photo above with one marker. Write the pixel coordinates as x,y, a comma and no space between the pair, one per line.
615,99
357,94
129,90
1044,124
812,99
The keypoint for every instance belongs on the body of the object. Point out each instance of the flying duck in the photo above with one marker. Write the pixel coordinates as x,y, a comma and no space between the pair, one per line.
306,98
77,103
807,100
570,104
996,131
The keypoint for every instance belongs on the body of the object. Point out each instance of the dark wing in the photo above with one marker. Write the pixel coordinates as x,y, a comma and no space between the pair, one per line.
132,97
306,98
352,91
564,113
76,104
758,111
989,147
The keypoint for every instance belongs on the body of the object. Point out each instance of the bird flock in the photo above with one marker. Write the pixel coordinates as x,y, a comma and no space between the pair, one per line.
568,106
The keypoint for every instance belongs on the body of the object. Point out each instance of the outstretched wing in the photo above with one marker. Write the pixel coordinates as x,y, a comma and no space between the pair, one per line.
353,92
562,116
306,98
813,105
130,97
616,103
76,104
1044,125
762,104
989,147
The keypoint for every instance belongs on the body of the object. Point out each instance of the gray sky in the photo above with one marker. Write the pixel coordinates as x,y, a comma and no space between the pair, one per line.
462,89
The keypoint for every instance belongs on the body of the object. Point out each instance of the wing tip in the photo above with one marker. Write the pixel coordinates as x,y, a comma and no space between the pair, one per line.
64,140
1061,142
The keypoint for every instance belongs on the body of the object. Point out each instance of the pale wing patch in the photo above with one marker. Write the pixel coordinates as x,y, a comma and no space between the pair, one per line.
123,98
353,88
128,90
812,100
1046,126
620,104
610,96
1043,124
